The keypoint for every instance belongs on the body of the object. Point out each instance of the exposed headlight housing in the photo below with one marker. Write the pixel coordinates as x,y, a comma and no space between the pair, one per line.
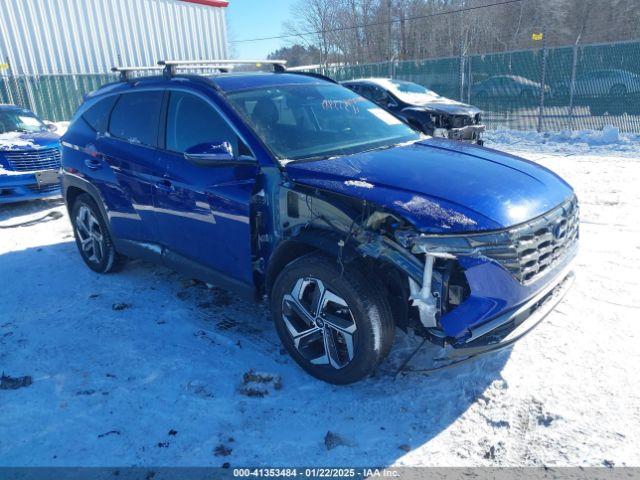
527,251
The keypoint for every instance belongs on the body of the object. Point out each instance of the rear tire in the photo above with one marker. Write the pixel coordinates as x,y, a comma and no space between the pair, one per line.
92,236
337,326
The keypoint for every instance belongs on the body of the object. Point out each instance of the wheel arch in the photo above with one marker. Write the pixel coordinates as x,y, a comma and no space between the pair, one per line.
73,187
307,241
72,193
390,277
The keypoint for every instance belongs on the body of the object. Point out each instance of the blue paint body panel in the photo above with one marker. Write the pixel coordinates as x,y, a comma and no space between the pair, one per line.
442,186
208,216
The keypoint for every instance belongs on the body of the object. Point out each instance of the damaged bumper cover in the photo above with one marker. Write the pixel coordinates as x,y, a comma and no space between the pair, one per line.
515,277
511,326
469,133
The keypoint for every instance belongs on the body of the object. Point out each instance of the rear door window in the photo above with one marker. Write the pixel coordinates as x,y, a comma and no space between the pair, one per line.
136,116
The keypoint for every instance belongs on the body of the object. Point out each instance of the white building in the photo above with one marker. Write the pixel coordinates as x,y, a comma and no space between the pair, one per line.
54,37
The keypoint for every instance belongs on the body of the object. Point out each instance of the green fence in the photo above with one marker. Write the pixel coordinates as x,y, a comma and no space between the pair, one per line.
582,87
587,86
52,97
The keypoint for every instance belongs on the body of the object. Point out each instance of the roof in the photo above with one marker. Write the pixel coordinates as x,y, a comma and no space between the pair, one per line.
230,82
376,80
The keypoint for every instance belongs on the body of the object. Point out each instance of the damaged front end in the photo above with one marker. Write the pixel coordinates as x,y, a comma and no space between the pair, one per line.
474,292
505,281
467,128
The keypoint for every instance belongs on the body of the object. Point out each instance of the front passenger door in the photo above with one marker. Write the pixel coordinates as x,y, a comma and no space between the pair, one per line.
203,211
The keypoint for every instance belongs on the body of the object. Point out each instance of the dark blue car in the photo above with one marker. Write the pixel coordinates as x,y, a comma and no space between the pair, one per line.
295,189
29,156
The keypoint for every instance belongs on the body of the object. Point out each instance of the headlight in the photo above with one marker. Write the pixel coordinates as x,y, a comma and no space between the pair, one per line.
453,244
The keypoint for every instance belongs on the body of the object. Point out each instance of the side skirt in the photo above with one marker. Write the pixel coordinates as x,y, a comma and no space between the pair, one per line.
155,253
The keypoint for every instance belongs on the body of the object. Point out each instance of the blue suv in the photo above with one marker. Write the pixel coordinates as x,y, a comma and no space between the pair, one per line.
289,187
29,156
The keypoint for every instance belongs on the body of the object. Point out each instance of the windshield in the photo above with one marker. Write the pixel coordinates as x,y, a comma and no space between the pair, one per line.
410,92
20,121
304,122
409,87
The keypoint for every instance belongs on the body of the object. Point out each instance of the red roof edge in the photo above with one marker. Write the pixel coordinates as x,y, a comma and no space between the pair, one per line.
210,3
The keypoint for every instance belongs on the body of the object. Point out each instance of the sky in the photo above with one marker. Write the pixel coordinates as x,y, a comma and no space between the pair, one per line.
256,18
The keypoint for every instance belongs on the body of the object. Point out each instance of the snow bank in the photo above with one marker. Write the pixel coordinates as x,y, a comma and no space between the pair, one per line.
567,141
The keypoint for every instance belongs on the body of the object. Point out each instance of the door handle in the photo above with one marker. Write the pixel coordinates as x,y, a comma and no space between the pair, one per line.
93,163
165,185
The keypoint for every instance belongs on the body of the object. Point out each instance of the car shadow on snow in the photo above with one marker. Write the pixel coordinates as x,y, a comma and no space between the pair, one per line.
193,357
9,210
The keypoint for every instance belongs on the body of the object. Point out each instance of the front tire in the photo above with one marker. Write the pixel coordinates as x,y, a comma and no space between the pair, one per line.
336,324
92,236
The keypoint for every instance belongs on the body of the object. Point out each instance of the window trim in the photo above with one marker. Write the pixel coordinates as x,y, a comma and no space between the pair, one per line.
250,159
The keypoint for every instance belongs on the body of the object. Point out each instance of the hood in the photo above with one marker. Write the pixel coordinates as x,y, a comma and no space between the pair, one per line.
436,103
450,107
441,186
20,142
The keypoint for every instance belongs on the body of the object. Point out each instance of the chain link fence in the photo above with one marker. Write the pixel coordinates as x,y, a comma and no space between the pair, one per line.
580,87
52,97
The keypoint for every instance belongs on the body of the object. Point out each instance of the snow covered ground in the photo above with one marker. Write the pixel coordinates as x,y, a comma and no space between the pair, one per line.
148,368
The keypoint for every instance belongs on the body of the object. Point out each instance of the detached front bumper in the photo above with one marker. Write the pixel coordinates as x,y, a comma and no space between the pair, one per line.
22,186
509,327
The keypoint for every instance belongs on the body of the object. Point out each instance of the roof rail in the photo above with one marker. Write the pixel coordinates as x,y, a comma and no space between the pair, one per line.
170,66
313,75
126,71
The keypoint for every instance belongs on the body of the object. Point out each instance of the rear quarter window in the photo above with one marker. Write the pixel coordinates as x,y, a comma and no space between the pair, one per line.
97,116
136,116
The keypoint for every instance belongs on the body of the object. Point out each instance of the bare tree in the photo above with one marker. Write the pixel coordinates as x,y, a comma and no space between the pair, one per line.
314,19
361,31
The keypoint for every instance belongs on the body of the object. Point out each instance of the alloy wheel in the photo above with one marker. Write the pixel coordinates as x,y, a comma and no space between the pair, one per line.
320,323
90,235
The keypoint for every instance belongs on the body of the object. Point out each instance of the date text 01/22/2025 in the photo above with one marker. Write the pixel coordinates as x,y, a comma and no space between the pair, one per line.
316,472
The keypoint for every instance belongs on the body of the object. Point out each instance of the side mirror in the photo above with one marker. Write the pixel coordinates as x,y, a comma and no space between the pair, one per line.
52,127
206,154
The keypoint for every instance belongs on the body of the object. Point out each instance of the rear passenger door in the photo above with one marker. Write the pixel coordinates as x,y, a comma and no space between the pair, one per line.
203,212
130,148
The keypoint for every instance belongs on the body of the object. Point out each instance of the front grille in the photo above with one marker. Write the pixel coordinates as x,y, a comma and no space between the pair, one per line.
45,159
537,245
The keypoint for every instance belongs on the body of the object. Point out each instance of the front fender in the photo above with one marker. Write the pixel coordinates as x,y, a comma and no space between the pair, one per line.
418,117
